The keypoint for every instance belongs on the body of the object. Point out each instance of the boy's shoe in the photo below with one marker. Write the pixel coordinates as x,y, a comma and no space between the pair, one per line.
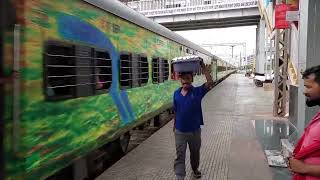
197,174
179,177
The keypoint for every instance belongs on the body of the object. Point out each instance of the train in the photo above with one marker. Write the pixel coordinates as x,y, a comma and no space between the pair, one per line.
89,72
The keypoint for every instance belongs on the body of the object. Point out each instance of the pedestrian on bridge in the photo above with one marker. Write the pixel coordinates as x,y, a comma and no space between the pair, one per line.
187,122
305,162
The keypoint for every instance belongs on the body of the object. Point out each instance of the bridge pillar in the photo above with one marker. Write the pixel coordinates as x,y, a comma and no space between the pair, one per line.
260,49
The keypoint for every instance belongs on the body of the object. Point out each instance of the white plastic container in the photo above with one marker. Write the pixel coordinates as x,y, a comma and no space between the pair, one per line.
186,64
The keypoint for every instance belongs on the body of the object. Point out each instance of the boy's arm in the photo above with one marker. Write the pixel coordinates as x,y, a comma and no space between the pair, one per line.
209,79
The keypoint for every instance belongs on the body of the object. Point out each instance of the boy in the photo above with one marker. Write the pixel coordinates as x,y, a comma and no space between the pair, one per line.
188,118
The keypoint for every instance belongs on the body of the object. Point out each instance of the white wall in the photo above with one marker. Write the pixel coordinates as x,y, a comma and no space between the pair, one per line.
294,46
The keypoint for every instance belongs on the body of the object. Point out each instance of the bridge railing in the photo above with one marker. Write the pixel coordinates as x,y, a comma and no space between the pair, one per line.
152,8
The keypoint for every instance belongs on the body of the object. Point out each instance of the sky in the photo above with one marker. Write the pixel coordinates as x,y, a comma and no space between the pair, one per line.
245,34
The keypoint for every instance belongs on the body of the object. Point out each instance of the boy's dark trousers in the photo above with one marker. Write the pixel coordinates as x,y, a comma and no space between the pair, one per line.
193,139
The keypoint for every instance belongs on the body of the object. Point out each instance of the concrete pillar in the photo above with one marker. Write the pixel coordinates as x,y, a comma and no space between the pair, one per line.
309,54
260,50
268,56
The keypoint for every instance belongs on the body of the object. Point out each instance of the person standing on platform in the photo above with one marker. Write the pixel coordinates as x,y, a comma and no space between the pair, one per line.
187,121
305,162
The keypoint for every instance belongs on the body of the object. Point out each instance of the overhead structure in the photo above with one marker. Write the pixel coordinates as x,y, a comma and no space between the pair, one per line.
180,15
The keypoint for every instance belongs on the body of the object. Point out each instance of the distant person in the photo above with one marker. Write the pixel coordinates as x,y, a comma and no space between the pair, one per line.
50,91
99,83
305,162
187,122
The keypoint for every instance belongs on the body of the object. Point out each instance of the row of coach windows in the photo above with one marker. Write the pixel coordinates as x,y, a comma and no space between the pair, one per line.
77,71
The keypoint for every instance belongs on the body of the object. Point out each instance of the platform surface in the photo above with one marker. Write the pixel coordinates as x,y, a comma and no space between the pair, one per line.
230,147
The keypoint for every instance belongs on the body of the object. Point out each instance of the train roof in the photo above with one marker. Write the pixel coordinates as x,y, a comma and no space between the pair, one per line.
119,9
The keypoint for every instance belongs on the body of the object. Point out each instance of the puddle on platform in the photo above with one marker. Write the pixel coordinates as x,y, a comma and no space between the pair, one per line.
270,133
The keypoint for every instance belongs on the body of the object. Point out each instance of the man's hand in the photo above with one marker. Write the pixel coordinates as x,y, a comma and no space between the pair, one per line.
297,166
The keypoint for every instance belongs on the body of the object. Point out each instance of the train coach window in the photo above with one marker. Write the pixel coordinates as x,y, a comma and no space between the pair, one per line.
85,85
103,70
75,71
143,70
221,68
165,69
126,71
160,70
155,70
60,72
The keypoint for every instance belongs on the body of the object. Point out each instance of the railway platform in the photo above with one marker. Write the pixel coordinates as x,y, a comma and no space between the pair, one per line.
234,135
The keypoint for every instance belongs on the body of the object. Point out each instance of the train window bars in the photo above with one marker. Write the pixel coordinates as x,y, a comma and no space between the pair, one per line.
221,68
73,71
126,73
103,71
160,70
155,70
134,70
165,69
143,70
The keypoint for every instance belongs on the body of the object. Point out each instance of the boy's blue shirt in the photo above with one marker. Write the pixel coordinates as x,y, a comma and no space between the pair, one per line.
188,111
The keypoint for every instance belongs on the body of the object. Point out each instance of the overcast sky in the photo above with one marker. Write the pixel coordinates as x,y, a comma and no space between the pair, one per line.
224,35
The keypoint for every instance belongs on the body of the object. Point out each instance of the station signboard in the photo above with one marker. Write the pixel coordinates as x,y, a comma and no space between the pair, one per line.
280,16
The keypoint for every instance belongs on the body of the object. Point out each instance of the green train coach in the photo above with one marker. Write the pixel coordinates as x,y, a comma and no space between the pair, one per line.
90,71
